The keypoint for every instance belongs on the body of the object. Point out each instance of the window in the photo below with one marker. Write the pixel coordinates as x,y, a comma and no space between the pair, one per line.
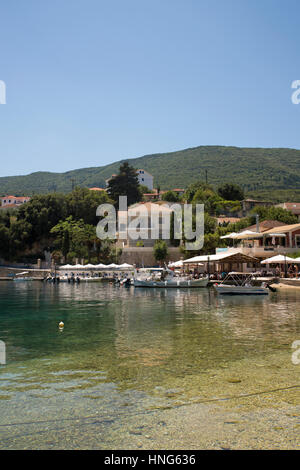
297,241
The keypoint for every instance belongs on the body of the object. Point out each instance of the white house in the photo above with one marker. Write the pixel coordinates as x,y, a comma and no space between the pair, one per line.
145,178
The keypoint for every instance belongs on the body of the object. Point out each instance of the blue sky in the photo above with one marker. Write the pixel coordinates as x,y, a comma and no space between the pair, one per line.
90,82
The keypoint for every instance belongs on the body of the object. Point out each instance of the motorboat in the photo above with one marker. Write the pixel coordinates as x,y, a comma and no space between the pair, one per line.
240,284
21,277
164,277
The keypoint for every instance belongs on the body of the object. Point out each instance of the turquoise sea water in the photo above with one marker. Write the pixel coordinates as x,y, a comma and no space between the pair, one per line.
130,363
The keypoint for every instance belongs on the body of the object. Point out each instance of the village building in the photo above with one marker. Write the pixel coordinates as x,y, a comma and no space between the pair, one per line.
8,202
151,196
145,211
249,204
272,238
293,207
144,178
264,226
140,251
178,191
157,195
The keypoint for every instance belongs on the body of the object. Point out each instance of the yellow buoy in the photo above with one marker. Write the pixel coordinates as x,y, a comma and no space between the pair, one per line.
61,324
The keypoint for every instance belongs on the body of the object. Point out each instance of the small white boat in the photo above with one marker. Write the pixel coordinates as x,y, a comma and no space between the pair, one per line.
21,277
161,277
240,284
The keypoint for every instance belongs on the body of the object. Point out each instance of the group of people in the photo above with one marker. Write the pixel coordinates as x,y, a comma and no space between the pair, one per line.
215,275
72,279
293,270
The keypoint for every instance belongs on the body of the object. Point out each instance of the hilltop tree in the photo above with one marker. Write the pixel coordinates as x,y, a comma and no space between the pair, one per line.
82,203
170,196
273,213
193,188
125,184
42,212
209,198
231,192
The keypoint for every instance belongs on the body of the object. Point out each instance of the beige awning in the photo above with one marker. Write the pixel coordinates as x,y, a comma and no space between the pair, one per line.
237,257
279,259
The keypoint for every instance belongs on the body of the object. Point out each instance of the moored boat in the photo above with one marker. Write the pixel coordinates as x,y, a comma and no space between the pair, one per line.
240,284
160,277
21,277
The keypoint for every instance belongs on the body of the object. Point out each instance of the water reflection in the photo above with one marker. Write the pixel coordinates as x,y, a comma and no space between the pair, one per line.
147,327
125,350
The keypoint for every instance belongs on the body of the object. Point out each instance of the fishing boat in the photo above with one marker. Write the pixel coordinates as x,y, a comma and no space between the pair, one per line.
240,284
164,277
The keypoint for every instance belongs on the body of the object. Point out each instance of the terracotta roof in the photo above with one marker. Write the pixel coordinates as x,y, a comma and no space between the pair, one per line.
155,193
285,228
292,206
18,198
265,225
96,189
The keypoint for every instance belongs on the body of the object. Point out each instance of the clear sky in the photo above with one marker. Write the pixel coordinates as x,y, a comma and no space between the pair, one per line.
90,82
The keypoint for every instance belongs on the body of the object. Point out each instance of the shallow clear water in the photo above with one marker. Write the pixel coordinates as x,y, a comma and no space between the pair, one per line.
133,361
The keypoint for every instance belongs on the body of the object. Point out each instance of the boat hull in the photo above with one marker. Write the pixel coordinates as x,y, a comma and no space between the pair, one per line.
241,290
172,283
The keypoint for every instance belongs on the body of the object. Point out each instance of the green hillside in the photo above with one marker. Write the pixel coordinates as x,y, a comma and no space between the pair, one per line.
267,173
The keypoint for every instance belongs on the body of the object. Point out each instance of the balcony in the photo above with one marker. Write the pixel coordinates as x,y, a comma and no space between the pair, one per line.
263,251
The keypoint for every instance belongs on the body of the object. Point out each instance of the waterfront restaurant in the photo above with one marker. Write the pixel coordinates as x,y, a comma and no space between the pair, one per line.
223,262
284,239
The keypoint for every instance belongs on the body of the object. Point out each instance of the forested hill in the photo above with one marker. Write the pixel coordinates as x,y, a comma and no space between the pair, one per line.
262,172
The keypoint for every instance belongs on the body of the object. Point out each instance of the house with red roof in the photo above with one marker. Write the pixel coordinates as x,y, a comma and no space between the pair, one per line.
293,207
13,201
